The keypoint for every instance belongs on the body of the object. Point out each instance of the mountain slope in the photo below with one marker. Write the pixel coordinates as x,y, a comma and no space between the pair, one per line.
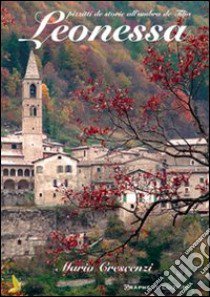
66,65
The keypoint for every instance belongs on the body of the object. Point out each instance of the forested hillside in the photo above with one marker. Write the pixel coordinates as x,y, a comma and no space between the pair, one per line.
65,66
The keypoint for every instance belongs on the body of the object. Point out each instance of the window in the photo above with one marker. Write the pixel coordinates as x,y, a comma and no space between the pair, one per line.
176,204
13,172
140,198
32,91
68,168
19,242
60,169
40,194
27,172
9,184
186,190
55,184
132,206
59,157
124,198
39,169
192,162
5,172
20,172
23,185
54,195
202,180
14,146
66,183
98,169
33,111
84,153
164,204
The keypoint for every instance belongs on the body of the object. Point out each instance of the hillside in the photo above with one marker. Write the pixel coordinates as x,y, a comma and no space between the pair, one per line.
66,65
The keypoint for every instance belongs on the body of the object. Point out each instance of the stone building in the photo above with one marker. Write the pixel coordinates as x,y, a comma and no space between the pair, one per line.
196,173
196,170
52,172
34,164
20,150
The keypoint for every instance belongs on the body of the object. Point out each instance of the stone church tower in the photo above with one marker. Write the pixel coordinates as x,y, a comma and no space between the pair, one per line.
32,112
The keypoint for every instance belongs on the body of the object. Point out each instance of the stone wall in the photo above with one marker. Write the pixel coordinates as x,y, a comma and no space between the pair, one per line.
17,198
24,230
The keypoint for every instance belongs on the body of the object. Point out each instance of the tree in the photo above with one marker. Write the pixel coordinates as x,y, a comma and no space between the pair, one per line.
24,50
12,48
12,86
70,65
6,17
174,110
115,228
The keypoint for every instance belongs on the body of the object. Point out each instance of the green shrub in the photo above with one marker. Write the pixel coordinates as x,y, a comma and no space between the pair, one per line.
33,288
115,228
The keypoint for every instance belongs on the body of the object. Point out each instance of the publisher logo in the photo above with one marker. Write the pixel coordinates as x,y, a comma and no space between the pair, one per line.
176,280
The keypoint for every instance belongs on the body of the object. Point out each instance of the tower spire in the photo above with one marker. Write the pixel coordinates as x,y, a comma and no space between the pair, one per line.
32,71
32,112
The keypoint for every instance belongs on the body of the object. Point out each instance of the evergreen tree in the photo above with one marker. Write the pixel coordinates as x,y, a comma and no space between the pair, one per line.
24,50
47,56
12,59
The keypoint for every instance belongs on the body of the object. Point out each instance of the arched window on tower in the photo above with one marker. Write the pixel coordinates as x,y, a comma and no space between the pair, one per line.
33,111
32,91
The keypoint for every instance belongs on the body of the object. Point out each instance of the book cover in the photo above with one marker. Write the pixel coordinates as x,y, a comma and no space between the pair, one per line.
104,148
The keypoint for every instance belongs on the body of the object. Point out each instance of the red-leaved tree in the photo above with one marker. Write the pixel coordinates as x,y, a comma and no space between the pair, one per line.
174,111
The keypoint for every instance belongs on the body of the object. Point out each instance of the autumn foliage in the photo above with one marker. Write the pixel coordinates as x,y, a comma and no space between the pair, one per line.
171,110
179,72
6,17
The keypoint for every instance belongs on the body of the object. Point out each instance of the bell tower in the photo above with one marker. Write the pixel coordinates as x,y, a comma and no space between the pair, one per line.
32,112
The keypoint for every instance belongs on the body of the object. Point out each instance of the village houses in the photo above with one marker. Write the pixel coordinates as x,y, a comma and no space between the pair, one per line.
33,163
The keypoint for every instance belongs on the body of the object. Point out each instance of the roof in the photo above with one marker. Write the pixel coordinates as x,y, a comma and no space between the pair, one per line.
80,148
108,162
187,169
138,149
12,162
12,138
188,141
202,207
86,147
32,71
57,154
136,170
98,163
18,138
11,153
51,144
